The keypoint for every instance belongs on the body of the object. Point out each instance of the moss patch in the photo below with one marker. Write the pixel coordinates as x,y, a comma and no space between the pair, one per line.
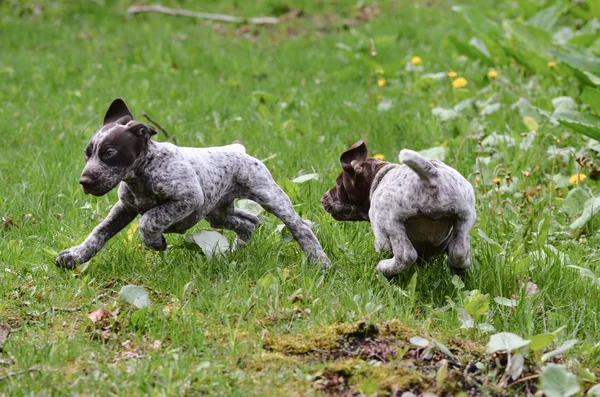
318,339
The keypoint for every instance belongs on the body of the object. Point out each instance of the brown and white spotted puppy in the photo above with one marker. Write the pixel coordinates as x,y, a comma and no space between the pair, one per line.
419,208
173,188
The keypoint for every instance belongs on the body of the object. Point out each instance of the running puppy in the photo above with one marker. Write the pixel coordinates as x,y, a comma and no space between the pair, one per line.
173,188
418,208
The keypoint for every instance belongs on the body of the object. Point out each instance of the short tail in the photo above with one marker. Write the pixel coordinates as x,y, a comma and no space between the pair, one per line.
419,164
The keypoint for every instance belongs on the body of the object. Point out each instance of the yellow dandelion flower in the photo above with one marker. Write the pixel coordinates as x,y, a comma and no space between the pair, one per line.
576,178
459,82
416,60
379,156
497,180
432,105
551,64
492,74
380,82
452,75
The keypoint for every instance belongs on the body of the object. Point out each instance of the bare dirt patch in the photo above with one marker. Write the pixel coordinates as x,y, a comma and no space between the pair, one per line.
364,358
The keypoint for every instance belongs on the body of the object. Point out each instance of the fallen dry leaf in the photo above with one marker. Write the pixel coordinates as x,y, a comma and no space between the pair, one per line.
99,314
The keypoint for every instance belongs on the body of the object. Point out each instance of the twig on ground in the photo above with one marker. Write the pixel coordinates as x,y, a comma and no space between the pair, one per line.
160,127
523,380
138,8
101,296
11,374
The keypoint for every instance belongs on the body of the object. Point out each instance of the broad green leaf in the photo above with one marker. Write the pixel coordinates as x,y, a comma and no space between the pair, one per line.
575,201
491,108
249,206
505,342
561,181
556,381
443,348
568,345
526,109
546,18
534,38
586,124
595,80
436,153
564,104
471,51
495,140
506,302
213,244
477,303
591,208
515,366
457,282
466,321
306,178
579,60
540,341
479,22
135,295
585,66
586,273
484,327
591,97
419,341
594,391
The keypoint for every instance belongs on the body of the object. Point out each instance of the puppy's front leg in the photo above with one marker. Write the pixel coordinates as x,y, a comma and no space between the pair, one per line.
160,218
119,217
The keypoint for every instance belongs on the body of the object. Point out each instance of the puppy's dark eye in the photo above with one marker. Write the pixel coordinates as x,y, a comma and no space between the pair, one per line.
109,153
88,153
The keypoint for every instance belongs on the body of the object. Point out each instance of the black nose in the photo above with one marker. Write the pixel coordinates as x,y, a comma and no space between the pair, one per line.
86,182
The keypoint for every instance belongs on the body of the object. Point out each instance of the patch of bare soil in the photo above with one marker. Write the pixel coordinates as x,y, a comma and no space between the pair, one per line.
363,358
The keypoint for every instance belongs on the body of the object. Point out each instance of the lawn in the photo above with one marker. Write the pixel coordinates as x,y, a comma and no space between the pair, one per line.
502,110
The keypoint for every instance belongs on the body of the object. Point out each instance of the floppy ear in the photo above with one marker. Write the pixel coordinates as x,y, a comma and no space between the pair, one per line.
118,113
357,152
142,131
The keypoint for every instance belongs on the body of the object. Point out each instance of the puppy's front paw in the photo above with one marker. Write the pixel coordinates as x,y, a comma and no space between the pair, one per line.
157,243
390,267
71,257
323,260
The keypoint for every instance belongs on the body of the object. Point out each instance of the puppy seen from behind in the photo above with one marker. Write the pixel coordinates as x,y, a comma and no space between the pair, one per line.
419,208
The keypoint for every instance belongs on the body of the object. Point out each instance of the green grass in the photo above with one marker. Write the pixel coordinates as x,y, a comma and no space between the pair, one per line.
60,70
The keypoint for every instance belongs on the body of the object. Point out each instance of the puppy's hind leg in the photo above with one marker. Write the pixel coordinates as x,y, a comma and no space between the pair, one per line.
273,199
229,217
401,247
459,246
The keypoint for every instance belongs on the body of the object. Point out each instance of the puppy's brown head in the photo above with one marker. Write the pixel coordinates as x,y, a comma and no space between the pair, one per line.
113,149
349,199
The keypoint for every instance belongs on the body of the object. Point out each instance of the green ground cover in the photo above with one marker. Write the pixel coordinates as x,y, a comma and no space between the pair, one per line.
264,321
